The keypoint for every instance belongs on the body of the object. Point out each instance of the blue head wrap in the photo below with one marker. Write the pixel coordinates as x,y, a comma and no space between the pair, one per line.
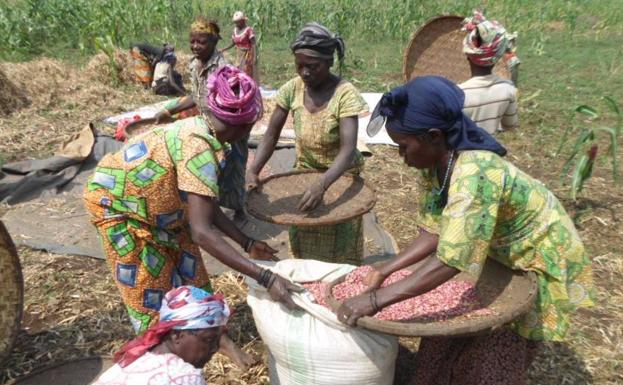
434,102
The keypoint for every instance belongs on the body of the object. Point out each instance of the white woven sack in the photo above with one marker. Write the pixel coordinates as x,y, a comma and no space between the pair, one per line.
311,346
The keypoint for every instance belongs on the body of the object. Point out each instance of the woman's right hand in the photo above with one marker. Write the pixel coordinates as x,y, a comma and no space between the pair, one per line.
374,279
163,116
253,181
280,291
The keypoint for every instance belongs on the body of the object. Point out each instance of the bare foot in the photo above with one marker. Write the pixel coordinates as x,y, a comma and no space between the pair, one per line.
228,348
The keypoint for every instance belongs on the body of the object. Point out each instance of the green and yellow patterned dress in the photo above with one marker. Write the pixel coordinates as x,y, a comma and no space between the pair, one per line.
495,210
317,145
137,202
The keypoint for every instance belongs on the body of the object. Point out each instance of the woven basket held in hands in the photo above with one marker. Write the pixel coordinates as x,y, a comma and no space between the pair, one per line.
507,293
437,49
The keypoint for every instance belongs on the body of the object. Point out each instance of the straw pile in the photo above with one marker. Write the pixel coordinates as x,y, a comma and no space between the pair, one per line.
101,69
63,99
11,97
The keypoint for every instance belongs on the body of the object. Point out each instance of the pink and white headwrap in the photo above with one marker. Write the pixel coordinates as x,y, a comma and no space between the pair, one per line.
233,96
487,40
183,308
194,308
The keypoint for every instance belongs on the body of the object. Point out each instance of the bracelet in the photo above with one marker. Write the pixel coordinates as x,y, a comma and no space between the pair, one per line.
273,278
375,305
248,245
260,279
265,277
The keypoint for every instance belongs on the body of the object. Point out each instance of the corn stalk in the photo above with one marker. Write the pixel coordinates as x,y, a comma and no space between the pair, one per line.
107,46
584,150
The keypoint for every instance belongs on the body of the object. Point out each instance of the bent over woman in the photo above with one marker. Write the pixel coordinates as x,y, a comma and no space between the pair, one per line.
475,205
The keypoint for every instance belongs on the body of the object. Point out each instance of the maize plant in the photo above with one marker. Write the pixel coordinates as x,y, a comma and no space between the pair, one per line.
585,148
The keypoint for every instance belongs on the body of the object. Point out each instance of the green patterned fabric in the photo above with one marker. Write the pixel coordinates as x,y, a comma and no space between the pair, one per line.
495,210
120,238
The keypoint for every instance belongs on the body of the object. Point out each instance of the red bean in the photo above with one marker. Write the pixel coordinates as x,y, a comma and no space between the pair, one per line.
448,300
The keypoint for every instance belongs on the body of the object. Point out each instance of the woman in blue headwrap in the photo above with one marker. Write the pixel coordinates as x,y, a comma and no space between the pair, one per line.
475,205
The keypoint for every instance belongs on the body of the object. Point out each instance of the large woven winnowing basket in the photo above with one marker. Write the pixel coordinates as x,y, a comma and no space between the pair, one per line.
11,293
436,48
507,293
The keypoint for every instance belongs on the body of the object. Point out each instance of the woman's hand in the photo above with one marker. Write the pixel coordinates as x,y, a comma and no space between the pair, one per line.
354,308
374,279
260,250
280,291
253,180
163,116
312,197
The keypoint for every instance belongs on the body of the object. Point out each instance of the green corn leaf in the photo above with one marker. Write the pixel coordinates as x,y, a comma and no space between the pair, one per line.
587,110
614,107
586,136
614,150
579,176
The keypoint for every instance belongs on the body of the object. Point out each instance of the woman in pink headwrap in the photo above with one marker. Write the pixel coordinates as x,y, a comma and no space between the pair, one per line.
490,101
174,350
155,204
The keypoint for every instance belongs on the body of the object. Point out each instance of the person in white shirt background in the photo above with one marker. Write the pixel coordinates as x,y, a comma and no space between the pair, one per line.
490,100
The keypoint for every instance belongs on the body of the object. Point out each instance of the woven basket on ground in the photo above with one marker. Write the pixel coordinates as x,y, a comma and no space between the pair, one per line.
82,371
506,292
437,49
11,293
277,200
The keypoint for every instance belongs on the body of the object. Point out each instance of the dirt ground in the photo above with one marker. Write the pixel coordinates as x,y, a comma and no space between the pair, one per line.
72,308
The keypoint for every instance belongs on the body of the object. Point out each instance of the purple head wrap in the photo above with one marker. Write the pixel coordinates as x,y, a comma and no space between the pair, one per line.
233,96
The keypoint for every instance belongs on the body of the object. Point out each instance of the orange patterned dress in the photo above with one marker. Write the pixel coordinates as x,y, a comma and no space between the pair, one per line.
137,202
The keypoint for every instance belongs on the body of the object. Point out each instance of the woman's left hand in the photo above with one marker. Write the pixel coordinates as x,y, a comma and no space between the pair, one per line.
260,250
312,197
354,308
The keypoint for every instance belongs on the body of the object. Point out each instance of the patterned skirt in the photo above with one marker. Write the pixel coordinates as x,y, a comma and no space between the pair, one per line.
143,73
247,62
500,358
146,262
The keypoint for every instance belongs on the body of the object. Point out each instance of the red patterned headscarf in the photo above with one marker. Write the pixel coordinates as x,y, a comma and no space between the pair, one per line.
487,40
183,308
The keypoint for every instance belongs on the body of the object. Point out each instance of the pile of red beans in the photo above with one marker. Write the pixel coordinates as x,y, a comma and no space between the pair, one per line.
448,300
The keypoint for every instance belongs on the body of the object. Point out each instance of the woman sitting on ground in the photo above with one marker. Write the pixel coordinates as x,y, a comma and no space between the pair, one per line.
475,205
325,108
175,350
155,67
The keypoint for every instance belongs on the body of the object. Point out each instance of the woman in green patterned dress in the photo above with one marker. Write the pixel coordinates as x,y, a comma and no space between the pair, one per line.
325,108
475,205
